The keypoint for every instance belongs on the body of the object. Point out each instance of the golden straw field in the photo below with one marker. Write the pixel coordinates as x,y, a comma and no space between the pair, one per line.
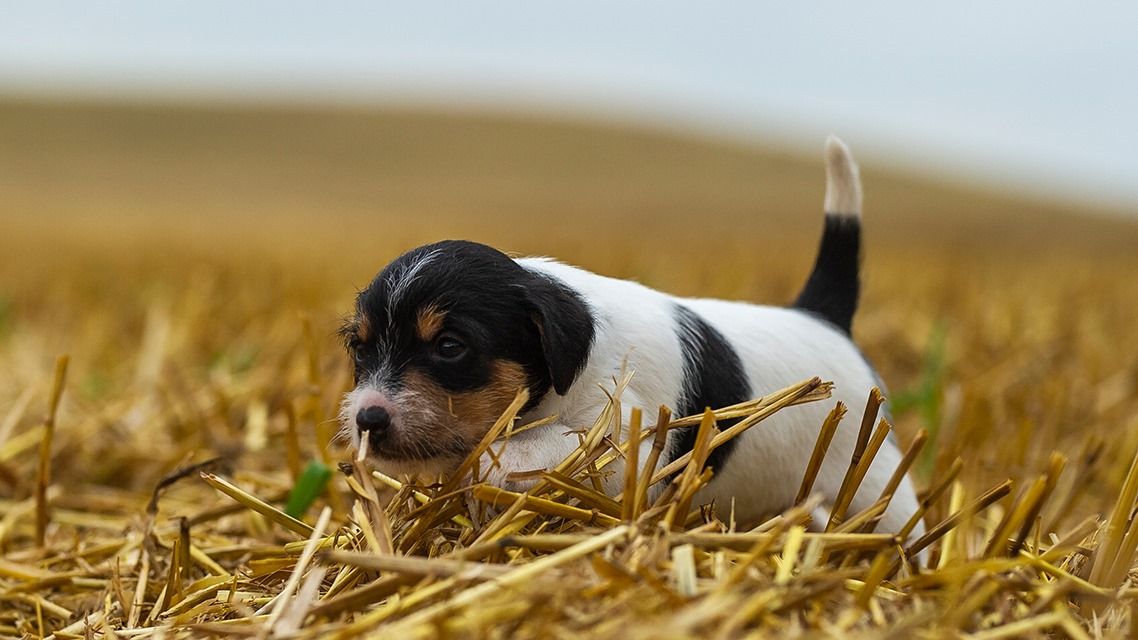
172,278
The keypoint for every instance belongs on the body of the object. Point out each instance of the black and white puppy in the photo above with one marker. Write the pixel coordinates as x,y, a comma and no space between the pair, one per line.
447,333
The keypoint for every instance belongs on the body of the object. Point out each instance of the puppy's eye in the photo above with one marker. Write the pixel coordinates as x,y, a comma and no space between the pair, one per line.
359,354
354,347
449,347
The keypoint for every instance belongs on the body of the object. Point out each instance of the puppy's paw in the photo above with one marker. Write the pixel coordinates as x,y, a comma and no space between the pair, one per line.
513,469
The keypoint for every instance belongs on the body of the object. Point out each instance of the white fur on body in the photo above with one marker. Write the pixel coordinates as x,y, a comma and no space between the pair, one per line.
777,346
637,329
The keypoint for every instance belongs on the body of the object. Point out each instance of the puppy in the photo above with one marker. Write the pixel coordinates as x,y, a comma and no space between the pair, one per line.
445,335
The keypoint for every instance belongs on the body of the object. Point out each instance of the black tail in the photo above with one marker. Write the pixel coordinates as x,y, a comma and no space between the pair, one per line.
832,290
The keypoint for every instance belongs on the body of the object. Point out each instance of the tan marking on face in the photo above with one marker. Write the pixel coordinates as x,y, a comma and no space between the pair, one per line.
428,322
481,409
363,327
467,417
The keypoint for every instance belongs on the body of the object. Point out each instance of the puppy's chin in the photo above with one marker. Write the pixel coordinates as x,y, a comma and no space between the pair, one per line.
415,467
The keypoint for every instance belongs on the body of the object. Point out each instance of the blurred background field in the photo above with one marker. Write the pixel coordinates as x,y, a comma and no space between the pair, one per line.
211,230
178,254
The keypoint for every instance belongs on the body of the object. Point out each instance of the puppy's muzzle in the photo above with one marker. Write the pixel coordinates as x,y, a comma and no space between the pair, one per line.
376,423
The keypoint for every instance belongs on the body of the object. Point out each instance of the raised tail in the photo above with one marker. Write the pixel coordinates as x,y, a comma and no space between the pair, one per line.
832,290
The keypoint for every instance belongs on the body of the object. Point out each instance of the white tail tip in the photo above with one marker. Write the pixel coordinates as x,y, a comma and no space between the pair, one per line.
843,185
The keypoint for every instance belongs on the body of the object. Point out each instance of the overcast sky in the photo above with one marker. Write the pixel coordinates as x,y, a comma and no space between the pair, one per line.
1041,95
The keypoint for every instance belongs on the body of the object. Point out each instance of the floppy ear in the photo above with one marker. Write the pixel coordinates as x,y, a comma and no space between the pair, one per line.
566,327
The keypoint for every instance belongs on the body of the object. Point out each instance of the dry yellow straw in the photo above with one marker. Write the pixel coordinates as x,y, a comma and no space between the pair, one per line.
418,566
1112,558
901,472
778,400
256,504
501,497
587,496
43,477
1028,509
976,506
631,507
859,467
701,449
659,442
419,623
857,473
821,446
279,604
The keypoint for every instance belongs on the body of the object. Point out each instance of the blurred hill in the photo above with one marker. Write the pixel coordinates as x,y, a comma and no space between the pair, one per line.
344,180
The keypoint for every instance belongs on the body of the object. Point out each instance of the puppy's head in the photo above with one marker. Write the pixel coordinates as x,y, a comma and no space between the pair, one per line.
441,342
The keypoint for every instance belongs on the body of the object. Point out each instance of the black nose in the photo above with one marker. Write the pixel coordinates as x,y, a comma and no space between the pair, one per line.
374,419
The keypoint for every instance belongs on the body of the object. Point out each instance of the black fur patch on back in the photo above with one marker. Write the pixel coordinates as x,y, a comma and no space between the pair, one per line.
713,377
832,291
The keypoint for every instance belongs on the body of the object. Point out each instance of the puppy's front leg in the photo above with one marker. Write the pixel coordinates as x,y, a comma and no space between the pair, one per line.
515,464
